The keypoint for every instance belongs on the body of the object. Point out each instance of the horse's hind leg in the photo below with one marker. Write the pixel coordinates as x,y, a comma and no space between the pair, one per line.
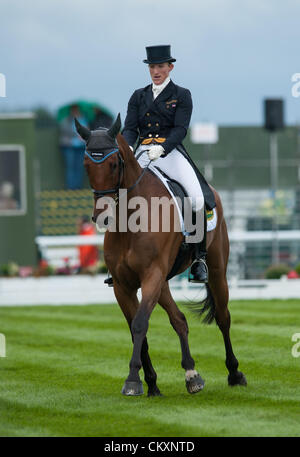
129,304
217,264
194,382
219,288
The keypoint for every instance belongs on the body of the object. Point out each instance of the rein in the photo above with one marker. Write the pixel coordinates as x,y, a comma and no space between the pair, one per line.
101,193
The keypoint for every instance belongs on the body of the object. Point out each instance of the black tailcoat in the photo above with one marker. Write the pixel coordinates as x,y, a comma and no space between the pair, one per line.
168,116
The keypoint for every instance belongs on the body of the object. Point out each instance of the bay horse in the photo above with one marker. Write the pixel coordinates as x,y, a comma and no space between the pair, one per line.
144,259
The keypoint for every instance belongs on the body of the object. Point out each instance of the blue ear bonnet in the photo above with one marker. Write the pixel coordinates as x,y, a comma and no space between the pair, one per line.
100,146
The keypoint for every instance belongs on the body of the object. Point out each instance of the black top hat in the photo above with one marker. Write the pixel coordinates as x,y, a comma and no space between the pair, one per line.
159,54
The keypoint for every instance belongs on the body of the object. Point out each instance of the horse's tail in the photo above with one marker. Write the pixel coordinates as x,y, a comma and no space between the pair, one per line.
205,307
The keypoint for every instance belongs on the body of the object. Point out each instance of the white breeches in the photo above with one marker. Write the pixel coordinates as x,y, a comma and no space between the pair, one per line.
176,166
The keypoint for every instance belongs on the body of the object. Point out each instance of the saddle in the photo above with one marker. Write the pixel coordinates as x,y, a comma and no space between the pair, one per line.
208,194
175,187
186,249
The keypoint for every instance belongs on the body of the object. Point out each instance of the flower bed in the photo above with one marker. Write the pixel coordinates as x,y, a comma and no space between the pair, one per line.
13,270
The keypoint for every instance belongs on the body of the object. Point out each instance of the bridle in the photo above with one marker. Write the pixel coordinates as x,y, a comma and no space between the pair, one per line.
115,190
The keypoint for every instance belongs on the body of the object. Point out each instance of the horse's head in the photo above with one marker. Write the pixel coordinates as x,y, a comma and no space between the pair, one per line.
103,160
101,156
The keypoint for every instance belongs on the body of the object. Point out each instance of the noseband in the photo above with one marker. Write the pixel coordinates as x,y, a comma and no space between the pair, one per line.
115,190
101,193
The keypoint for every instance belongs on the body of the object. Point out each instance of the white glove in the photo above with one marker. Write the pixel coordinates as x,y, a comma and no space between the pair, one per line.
155,152
131,148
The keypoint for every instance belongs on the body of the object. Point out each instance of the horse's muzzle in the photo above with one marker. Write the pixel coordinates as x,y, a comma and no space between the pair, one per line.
106,221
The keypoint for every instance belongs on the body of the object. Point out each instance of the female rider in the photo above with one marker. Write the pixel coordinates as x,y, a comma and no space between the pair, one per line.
158,117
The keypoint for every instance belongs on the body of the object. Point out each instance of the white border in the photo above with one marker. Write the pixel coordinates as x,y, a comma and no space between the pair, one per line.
23,191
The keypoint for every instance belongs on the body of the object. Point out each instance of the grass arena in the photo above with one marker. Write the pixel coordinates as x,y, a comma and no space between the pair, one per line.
65,366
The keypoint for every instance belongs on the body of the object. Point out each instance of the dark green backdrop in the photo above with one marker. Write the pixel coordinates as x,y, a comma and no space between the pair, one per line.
17,232
239,160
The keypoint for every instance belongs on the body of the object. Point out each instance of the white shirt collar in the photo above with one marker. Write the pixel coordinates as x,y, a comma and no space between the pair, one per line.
158,89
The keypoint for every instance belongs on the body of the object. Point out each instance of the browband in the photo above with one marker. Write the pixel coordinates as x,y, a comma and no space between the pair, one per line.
104,157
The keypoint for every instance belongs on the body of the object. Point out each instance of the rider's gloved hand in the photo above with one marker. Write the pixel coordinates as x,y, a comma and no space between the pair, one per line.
155,152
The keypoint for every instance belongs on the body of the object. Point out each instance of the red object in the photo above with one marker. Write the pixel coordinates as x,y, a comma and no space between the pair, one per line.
43,263
88,255
293,275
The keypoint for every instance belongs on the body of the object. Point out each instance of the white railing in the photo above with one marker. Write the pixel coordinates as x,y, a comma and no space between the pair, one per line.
55,248
237,235
261,235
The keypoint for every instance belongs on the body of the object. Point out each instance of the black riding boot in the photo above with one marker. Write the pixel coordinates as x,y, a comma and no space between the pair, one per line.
109,281
199,271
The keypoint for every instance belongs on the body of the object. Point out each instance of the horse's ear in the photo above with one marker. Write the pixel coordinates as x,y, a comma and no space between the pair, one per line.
115,128
83,131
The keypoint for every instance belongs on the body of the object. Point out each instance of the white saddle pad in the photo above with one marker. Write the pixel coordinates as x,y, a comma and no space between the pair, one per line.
211,216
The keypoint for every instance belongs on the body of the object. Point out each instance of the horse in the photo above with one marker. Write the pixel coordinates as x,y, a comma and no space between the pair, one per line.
143,260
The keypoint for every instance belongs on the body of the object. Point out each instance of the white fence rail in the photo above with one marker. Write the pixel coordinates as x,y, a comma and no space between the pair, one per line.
45,242
55,249
262,235
83,289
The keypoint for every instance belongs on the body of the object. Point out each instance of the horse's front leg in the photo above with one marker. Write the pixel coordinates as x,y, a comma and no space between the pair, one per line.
151,285
129,304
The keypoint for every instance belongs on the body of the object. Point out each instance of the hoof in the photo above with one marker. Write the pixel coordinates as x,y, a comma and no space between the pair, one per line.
194,384
154,392
237,379
133,388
